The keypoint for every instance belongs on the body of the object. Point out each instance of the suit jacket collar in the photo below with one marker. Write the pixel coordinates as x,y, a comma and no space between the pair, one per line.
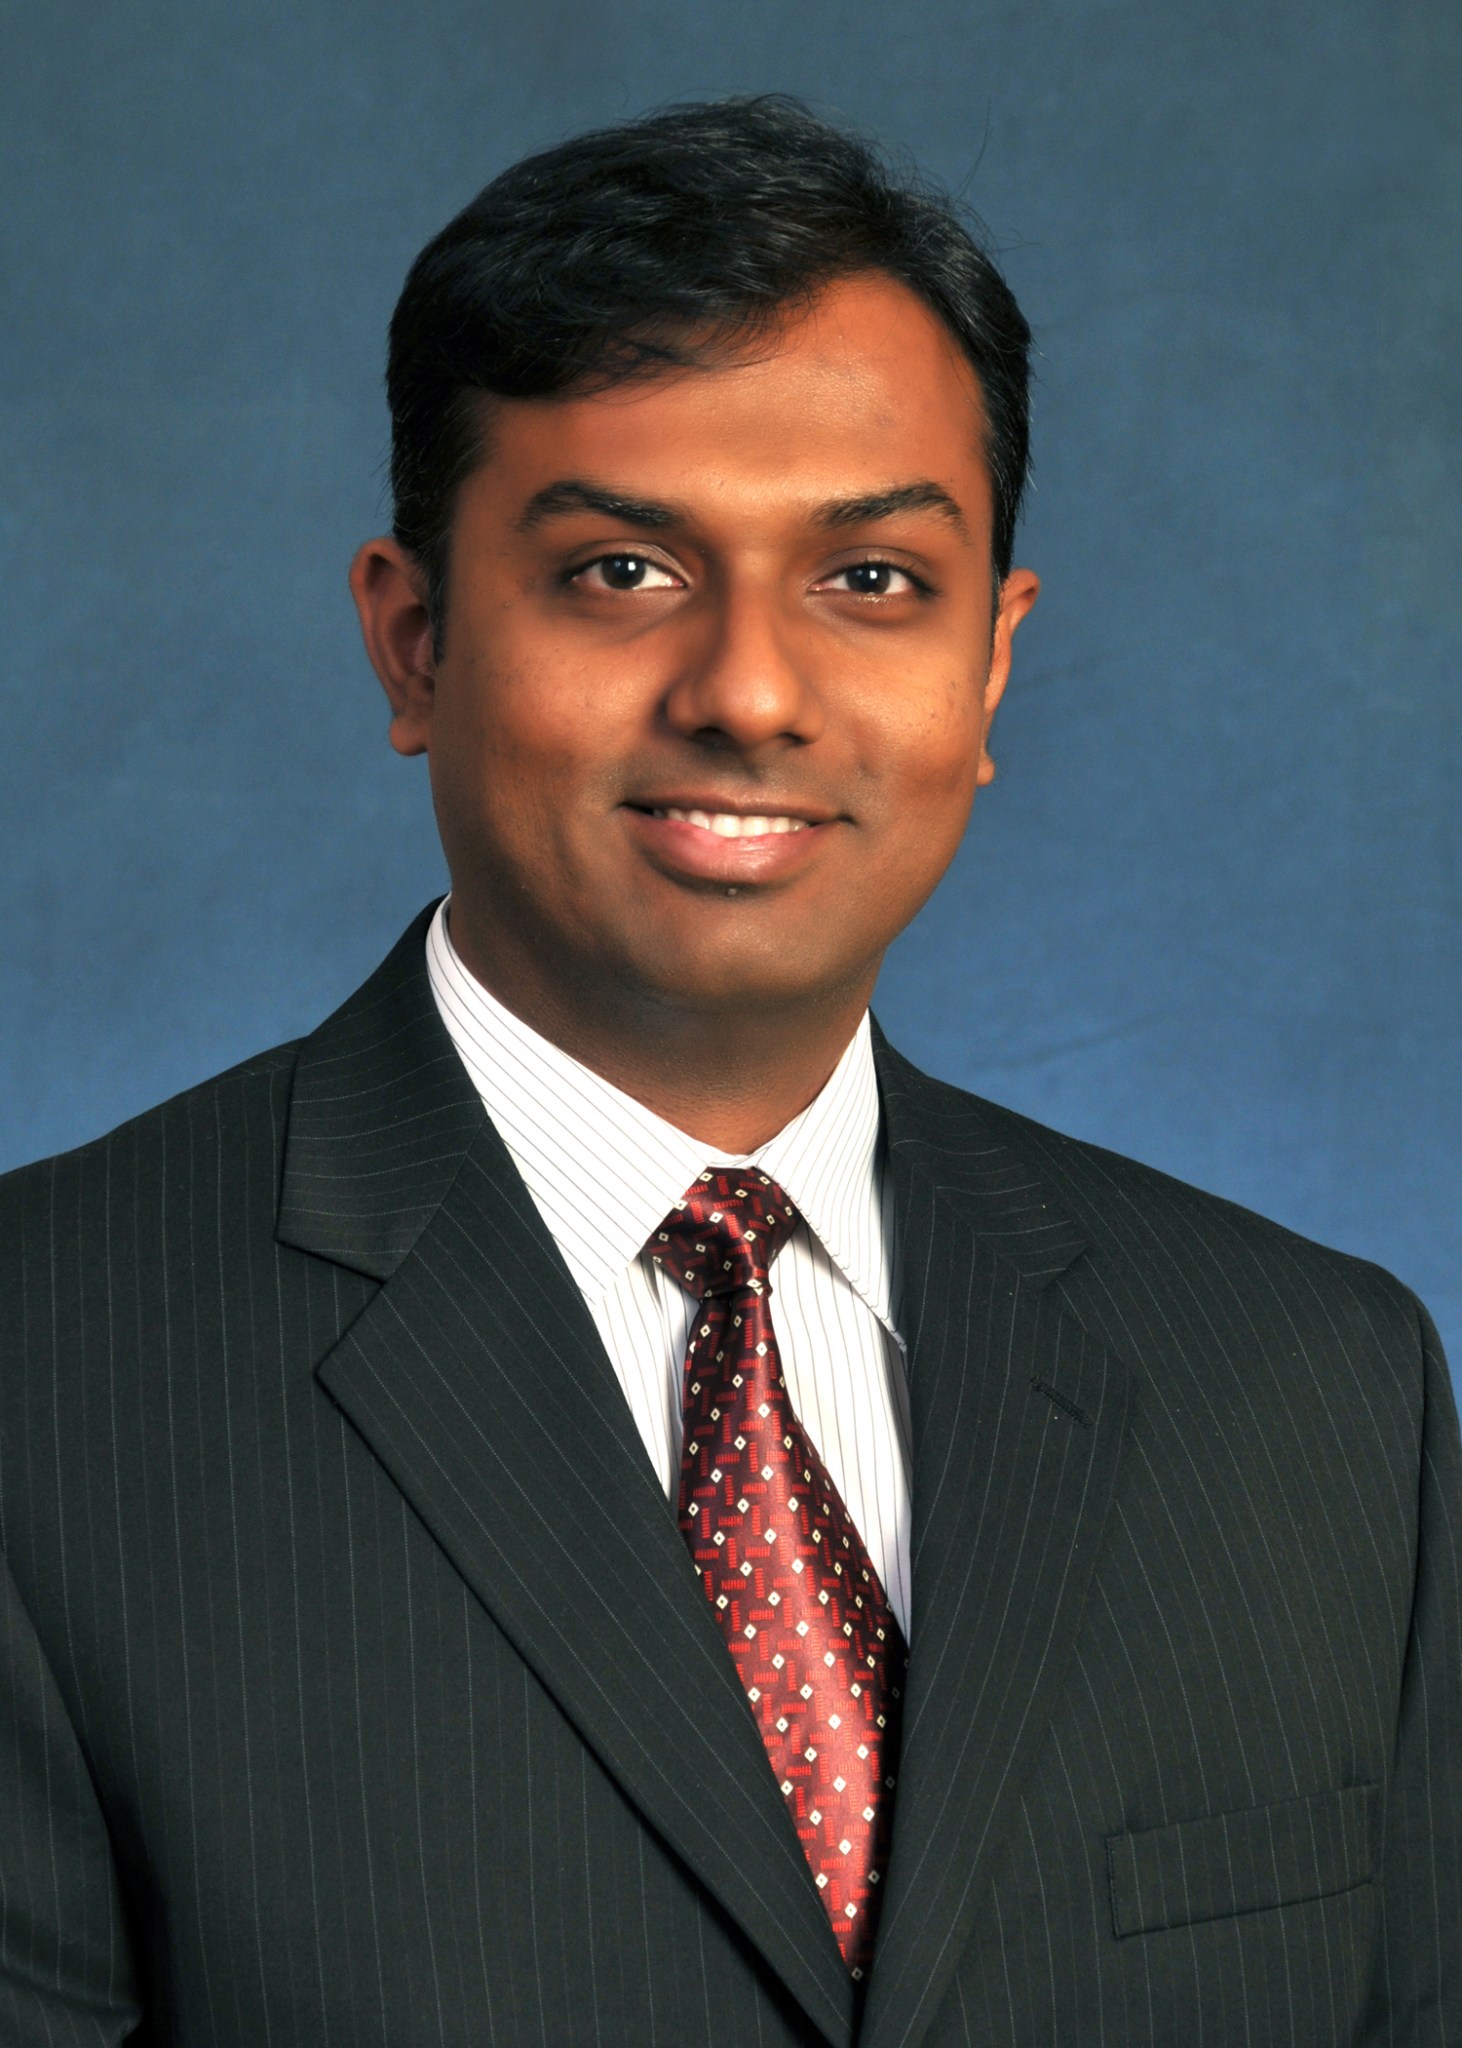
478,1380
382,1115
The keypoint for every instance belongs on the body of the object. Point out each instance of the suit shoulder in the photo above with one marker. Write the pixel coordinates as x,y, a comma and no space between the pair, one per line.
231,1114
1168,1227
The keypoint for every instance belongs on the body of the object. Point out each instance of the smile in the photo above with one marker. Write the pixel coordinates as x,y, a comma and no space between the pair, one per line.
730,824
702,843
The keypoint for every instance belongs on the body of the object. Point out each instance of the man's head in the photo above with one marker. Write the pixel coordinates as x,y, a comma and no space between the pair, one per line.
710,695
667,241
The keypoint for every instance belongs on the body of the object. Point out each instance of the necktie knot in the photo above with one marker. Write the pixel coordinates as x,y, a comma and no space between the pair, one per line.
724,1232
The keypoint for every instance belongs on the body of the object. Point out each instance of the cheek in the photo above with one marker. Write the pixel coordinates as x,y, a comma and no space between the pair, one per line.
930,751
511,725
521,760
488,773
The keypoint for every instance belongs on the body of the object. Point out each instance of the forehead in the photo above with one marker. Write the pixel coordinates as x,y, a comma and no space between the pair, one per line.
861,389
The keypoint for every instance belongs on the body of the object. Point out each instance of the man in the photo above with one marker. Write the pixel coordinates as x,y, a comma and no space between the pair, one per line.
588,1501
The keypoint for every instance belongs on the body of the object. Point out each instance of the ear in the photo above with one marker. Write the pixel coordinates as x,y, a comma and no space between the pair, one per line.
389,588
1018,593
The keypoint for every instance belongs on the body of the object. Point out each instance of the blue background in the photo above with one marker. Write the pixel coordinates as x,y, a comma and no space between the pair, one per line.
1209,914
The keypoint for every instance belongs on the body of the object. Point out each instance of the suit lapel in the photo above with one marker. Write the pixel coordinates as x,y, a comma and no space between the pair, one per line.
478,1380
1017,1426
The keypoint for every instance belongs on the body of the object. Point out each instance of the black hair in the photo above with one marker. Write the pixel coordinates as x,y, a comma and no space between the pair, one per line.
664,241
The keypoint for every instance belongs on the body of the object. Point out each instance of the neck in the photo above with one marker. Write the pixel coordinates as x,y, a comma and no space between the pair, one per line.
731,1077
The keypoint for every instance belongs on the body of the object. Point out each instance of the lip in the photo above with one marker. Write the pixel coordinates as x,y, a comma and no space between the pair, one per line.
692,852
687,799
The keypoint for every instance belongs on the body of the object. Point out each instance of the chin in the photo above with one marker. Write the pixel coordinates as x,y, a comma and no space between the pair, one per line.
780,977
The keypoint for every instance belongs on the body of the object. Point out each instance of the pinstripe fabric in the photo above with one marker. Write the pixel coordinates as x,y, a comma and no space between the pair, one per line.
566,1127
311,1733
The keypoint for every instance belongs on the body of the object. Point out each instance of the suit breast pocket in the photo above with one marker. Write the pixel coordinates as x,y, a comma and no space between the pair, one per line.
1246,1862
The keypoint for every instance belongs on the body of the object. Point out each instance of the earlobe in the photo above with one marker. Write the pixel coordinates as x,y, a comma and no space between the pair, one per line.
389,588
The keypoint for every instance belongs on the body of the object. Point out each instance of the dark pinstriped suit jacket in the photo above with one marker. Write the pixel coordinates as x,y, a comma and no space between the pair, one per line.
355,1686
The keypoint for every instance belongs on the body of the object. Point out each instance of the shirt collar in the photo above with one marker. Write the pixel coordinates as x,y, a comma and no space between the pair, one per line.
571,1134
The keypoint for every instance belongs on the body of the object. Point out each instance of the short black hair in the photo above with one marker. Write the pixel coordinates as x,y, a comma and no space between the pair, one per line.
663,241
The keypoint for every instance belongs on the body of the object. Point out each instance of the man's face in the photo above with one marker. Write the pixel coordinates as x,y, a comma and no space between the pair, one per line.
718,668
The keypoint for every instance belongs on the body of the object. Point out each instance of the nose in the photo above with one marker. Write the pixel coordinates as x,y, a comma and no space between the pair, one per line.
743,684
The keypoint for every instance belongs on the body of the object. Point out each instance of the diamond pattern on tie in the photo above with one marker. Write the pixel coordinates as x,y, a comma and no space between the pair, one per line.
811,1633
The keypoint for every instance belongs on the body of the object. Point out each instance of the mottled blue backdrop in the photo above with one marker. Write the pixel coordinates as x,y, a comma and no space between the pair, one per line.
1210,913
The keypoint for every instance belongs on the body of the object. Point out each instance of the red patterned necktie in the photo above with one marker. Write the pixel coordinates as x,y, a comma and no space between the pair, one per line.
812,1636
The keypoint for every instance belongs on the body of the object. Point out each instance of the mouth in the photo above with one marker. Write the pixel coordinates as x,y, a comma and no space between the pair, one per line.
709,841
732,824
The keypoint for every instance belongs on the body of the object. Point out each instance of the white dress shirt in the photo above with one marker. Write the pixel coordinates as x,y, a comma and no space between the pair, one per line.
568,1131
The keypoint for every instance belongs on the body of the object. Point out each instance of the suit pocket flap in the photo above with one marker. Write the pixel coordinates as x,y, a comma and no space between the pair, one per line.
1241,1862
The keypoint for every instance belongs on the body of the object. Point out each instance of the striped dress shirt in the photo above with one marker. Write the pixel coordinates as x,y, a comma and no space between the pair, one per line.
569,1132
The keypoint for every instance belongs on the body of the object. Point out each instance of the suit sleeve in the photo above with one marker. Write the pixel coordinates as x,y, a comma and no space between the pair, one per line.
1416,1993
66,1976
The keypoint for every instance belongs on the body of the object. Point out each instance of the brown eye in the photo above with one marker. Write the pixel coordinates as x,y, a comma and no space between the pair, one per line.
869,579
876,579
625,571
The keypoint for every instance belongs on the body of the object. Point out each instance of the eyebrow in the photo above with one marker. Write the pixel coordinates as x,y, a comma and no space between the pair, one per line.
572,494
924,496
557,500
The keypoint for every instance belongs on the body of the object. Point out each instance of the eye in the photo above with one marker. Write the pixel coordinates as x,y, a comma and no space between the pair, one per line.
625,571
876,579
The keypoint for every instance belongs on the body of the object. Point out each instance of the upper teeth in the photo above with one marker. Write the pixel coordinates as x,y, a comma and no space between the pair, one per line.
731,825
